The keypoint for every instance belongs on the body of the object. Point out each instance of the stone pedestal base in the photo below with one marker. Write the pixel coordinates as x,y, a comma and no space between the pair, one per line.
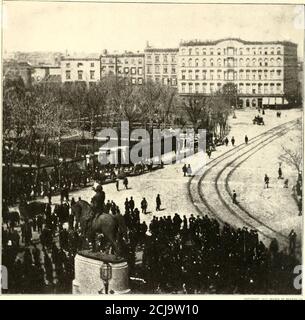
88,279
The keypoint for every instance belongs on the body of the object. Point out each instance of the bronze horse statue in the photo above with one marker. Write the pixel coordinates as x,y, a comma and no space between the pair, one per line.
111,226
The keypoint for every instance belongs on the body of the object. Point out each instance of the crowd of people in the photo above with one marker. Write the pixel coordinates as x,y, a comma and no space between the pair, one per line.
180,254
31,183
197,255
39,252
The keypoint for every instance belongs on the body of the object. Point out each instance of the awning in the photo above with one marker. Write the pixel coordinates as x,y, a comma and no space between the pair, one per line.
278,100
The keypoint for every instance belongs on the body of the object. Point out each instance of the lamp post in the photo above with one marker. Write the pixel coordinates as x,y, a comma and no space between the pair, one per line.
106,275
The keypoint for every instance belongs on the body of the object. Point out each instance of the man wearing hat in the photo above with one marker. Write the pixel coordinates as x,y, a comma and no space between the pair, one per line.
98,200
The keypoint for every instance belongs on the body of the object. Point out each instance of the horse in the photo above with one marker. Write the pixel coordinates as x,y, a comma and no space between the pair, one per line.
112,227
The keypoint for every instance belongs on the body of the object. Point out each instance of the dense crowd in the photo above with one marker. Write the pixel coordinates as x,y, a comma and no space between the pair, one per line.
197,255
29,183
180,254
192,254
45,263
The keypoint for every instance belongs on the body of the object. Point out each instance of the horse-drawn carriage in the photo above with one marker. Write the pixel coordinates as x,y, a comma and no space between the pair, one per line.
258,120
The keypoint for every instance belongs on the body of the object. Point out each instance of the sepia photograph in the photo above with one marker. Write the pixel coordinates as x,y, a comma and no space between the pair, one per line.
152,149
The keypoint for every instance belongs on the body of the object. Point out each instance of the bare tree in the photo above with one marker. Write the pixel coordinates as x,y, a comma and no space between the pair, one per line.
293,156
292,150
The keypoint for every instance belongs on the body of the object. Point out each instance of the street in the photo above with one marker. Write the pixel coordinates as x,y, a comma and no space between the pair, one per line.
272,212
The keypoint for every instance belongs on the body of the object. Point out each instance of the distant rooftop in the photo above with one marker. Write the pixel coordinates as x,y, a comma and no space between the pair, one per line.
151,49
45,66
81,56
126,53
86,58
214,42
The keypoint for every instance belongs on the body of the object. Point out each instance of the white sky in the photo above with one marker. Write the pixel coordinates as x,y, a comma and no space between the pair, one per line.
92,27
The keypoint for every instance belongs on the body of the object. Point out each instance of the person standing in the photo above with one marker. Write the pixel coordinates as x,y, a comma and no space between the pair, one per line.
108,206
49,193
131,204
184,170
266,179
72,202
280,173
39,223
234,197
71,221
158,203
246,139
189,170
144,205
233,141
117,184
126,206
226,141
98,200
125,182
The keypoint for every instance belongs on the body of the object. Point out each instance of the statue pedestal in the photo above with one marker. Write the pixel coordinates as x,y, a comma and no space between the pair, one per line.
88,276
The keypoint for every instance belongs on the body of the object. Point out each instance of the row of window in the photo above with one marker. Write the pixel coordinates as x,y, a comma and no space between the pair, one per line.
158,69
165,58
80,75
132,70
212,87
125,70
79,65
230,62
230,75
122,61
137,80
232,51
164,80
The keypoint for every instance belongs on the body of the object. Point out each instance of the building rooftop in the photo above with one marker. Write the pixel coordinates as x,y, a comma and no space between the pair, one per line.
45,67
122,55
214,42
150,49
80,59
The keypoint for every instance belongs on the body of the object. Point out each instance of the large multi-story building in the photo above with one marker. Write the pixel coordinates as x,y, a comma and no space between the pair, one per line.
265,73
80,69
161,65
127,65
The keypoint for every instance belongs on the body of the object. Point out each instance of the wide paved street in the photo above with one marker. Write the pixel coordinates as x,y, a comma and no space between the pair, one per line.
272,212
